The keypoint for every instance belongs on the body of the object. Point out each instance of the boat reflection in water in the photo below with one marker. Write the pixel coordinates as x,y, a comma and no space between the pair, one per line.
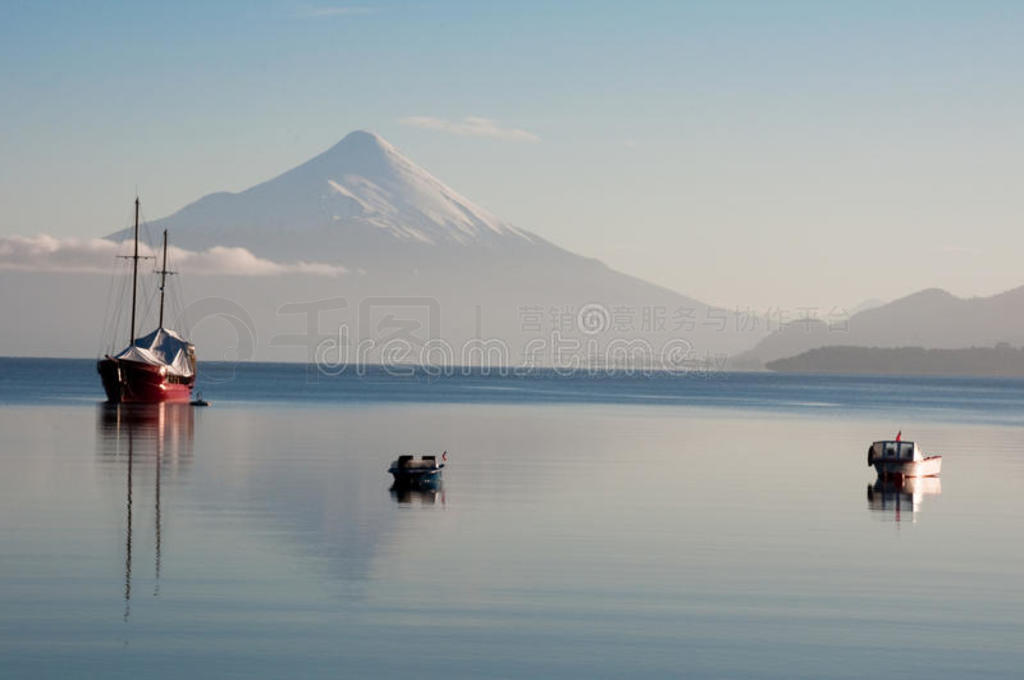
145,443
425,491
901,497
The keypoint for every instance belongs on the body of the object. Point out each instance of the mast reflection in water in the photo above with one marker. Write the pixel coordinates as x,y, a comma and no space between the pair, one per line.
149,441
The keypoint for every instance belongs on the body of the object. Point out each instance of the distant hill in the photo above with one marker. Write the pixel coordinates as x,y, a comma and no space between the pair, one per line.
1000,361
930,318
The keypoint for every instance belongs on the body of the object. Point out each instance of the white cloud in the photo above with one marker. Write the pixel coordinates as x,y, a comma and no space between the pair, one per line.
48,254
471,126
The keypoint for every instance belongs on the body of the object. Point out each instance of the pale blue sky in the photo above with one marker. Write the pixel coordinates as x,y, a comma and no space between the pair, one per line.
746,153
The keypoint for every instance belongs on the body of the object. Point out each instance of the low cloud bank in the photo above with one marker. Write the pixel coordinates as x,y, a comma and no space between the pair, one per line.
45,253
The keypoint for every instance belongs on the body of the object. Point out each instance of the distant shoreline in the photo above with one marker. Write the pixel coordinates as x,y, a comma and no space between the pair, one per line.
1001,361
977,362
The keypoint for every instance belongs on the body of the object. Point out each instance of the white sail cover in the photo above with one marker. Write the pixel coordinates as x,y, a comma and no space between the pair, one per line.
162,347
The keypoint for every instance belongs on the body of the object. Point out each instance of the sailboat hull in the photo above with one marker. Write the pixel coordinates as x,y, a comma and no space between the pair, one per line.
133,382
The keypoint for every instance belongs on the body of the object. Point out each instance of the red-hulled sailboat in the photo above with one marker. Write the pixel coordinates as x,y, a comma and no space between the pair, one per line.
159,366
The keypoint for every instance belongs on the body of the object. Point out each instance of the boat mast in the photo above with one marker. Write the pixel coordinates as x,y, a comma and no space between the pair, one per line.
135,271
163,281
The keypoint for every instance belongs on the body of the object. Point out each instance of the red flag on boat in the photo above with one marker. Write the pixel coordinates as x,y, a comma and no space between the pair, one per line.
899,436
444,456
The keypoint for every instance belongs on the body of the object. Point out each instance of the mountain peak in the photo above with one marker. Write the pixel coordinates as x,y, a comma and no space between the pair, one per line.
364,135
362,140
359,150
361,194
927,295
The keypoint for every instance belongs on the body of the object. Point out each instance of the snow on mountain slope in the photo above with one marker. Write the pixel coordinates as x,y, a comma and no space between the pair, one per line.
356,198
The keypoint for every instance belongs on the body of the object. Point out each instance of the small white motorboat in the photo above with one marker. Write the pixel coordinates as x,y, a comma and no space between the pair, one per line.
409,470
896,458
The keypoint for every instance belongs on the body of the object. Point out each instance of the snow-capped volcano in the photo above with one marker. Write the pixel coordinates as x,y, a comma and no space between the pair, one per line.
400,233
348,203
368,179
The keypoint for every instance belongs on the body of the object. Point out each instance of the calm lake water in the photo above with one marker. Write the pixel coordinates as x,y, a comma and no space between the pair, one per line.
720,526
